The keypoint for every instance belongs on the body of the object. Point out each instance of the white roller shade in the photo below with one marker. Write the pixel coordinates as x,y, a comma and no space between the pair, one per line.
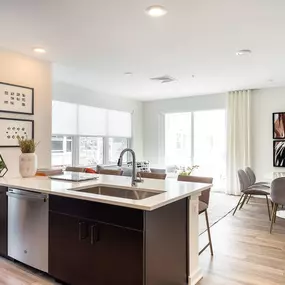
64,118
73,119
92,121
119,124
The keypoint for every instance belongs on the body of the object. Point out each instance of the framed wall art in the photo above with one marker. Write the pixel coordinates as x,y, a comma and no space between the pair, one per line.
278,121
16,99
11,128
279,153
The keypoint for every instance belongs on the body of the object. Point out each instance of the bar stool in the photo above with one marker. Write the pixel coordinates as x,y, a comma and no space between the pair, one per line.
203,203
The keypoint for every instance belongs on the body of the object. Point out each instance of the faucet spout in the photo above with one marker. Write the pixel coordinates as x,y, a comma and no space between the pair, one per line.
134,172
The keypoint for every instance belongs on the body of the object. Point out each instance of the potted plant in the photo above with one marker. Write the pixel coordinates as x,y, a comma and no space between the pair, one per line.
28,163
188,171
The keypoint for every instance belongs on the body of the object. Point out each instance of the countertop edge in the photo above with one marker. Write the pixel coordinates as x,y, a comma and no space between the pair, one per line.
80,196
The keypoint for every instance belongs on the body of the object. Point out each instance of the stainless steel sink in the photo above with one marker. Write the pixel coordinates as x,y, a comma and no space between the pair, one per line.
121,193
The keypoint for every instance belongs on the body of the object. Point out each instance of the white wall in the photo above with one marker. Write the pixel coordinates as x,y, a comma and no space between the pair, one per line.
264,103
21,70
75,94
154,120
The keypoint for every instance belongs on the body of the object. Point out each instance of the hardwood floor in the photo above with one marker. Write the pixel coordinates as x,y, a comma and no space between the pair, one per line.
244,253
14,274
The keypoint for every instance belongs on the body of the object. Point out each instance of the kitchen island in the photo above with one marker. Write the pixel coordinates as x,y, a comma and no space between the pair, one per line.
107,232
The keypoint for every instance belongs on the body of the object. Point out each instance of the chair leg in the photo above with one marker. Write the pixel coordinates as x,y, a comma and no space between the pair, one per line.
244,199
238,204
248,199
275,213
268,207
273,216
209,233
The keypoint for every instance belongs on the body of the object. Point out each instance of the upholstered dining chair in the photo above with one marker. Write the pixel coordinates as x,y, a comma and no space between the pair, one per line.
277,197
203,203
116,172
253,184
157,170
152,175
75,169
252,178
248,190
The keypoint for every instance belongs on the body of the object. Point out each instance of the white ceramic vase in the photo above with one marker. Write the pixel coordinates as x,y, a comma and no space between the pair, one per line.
28,164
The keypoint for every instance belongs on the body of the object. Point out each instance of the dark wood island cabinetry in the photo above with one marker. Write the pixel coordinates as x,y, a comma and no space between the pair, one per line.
3,221
95,243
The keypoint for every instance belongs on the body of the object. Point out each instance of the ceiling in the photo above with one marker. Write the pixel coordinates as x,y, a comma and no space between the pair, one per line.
94,42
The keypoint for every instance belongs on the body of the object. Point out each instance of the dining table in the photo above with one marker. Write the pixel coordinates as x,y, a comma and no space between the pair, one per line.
269,178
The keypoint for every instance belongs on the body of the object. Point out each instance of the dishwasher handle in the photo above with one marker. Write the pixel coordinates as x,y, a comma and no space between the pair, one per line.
35,197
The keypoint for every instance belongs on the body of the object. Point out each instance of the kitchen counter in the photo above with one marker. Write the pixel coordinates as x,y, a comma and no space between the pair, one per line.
109,240
170,190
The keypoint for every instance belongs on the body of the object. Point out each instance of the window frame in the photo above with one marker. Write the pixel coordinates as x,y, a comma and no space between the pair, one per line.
76,144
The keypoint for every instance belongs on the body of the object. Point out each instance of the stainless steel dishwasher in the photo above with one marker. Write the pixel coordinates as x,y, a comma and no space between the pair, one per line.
28,228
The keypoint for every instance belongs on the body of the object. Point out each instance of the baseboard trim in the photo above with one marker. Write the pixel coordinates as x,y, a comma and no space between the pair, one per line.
195,278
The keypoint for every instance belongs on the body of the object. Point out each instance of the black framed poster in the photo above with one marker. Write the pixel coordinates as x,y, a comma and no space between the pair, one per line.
16,99
11,128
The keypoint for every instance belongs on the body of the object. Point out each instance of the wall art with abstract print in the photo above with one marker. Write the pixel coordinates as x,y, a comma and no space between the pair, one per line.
279,153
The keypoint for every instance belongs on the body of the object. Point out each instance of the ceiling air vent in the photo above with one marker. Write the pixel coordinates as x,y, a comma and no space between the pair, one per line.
163,79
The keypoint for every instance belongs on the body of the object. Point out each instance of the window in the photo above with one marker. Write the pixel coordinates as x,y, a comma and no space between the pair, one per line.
198,138
178,139
115,146
87,136
61,150
90,151
210,145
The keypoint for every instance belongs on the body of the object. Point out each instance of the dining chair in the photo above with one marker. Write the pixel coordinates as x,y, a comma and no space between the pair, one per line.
248,190
252,178
75,169
203,203
151,175
157,170
277,197
117,172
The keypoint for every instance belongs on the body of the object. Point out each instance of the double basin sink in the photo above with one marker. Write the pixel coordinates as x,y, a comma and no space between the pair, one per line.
120,193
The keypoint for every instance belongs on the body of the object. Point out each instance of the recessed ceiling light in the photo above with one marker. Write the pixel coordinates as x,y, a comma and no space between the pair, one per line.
156,11
39,50
243,52
128,73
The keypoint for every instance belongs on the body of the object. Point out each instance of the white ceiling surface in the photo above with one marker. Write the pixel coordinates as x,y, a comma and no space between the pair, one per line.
94,42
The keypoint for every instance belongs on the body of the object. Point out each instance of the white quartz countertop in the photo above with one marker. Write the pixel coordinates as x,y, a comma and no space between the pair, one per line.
170,190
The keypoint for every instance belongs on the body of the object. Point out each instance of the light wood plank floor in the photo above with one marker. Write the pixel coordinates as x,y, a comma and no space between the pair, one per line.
245,253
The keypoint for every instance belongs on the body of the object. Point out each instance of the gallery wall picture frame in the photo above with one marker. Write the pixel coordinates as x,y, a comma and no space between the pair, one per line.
11,128
279,153
278,125
16,99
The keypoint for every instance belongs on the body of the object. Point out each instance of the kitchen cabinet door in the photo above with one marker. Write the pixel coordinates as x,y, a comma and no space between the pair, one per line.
70,256
3,221
120,252
82,252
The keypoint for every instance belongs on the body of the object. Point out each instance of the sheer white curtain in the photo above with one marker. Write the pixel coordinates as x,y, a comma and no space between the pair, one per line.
238,137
